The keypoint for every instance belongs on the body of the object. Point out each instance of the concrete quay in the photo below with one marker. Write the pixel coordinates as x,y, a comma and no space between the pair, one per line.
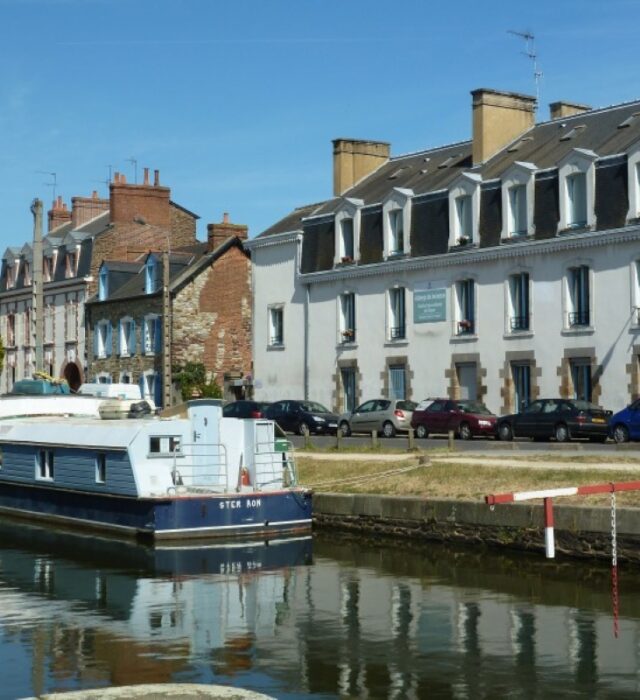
579,531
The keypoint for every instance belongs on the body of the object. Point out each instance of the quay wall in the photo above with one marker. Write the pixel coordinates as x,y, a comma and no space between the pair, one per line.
579,531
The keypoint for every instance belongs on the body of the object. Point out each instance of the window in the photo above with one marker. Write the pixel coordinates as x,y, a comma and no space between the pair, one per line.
102,339
464,224
11,276
396,232
103,284
71,265
397,329
164,444
127,337
348,377
151,387
48,323
151,275
103,378
47,268
397,382
465,311
126,378
347,248
71,311
11,330
27,327
581,378
101,468
464,210
151,335
633,176
578,297
27,274
347,318
276,326
521,374
576,200
517,210
44,465
519,302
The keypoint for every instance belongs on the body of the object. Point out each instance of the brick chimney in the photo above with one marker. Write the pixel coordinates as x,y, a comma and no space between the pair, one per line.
58,214
84,209
560,110
218,233
499,118
354,159
143,203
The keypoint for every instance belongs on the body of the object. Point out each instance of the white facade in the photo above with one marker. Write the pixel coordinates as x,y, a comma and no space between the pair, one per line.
599,332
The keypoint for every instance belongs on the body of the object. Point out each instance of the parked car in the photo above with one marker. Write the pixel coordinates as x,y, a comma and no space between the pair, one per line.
561,419
465,417
625,425
386,416
245,409
303,417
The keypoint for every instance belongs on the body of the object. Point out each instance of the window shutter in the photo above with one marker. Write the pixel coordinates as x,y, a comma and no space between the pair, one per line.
141,384
96,331
158,335
119,338
157,390
108,342
132,338
145,335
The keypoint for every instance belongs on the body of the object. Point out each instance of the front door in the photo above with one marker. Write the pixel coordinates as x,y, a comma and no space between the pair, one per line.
467,380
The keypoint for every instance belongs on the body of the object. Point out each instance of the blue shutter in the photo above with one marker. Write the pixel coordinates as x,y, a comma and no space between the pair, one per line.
132,339
158,335
118,338
145,332
96,330
141,385
157,390
109,341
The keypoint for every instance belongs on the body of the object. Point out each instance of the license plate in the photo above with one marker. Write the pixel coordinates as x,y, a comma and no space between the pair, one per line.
597,420
333,425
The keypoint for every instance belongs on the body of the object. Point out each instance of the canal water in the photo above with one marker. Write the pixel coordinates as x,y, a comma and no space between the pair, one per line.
326,618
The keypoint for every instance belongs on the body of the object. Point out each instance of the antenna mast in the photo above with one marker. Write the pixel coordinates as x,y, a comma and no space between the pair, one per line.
134,162
53,184
530,53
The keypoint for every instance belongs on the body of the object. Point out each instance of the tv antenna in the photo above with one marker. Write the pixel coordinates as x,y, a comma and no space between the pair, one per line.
52,184
530,52
134,162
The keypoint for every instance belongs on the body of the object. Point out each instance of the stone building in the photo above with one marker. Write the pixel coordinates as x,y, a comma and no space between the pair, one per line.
134,219
207,304
503,268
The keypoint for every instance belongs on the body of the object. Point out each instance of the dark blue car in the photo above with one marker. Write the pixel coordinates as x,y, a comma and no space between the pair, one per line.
625,425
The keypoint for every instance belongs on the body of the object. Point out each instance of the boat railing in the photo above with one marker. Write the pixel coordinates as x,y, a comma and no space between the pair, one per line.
275,465
198,466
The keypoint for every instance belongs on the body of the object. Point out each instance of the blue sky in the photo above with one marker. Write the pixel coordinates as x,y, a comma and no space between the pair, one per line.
236,102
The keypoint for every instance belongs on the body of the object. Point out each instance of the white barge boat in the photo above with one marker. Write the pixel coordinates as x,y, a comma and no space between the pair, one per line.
200,475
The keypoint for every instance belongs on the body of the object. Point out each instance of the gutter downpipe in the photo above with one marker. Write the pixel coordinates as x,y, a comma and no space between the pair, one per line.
36,333
305,353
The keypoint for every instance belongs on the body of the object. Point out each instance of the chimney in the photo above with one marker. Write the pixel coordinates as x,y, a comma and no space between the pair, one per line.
218,233
560,110
498,119
146,177
84,209
149,203
58,214
354,159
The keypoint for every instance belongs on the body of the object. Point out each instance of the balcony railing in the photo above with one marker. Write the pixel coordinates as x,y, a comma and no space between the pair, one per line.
275,340
519,323
397,333
466,327
578,318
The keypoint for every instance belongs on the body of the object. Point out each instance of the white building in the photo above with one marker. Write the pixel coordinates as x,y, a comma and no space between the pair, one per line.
502,268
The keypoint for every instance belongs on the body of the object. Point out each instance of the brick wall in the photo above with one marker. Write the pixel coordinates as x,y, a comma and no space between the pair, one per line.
212,318
183,224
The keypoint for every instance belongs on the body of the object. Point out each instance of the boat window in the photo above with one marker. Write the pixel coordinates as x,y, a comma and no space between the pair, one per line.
1,458
101,468
44,464
164,444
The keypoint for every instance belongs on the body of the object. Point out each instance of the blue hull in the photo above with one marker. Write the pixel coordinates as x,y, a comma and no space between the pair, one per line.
182,516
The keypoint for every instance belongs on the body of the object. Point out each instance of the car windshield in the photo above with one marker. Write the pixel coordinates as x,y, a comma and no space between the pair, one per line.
474,407
586,406
313,407
406,405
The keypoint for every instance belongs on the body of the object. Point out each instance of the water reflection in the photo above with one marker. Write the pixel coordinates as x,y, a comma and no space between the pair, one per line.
360,620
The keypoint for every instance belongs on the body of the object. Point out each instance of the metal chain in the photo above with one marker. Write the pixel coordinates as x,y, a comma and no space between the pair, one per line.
614,565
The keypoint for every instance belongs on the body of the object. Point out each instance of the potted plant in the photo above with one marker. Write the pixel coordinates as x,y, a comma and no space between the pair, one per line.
463,240
348,333
346,259
465,325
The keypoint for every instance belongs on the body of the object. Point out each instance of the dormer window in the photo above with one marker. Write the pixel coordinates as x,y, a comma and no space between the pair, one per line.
11,276
47,269
633,178
71,265
577,181
347,231
103,284
518,185
464,210
151,275
396,222
27,274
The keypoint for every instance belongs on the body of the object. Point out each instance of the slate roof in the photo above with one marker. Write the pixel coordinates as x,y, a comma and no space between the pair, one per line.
293,221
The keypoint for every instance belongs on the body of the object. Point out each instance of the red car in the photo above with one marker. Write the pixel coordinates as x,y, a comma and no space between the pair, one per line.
465,417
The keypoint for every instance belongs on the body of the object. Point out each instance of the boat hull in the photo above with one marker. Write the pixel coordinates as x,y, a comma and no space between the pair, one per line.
177,517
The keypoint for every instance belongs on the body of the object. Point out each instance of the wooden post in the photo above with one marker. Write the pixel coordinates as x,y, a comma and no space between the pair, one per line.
451,436
374,439
338,438
412,442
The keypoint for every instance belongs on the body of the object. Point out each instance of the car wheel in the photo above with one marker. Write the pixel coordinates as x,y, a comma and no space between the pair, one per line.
303,429
504,432
562,433
621,434
422,432
344,428
388,429
464,431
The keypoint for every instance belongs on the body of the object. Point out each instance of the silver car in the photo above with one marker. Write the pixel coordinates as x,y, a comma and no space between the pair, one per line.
386,416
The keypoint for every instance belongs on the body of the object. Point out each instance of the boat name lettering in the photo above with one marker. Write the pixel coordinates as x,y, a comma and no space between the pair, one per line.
233,504
235,567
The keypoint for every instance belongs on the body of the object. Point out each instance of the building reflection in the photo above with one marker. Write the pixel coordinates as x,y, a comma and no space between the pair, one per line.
359,622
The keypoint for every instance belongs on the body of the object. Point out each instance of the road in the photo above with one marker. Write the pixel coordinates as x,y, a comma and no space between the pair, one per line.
476,445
